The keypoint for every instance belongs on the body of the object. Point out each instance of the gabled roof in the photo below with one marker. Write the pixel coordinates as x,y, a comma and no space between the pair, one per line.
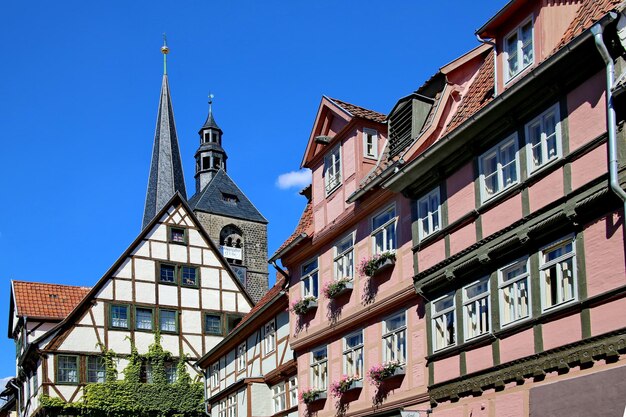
46,301
588,13
216,198
166,168
358,111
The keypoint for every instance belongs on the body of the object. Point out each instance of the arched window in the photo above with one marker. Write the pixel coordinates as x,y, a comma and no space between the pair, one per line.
232,237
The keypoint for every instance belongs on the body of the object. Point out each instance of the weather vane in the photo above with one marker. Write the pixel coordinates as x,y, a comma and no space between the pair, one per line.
165,50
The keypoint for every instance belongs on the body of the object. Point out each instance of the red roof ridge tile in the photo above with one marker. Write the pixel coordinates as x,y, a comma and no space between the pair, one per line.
359,111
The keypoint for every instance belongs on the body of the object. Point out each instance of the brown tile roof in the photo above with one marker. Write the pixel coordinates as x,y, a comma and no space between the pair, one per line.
305,225
273,292
36,299
588,13
358,111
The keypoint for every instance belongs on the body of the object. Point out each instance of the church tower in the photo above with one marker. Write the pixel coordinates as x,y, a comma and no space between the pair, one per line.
166,169
228,216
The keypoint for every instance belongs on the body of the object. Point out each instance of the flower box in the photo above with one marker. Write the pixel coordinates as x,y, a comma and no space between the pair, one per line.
312,395
335,289
379,373
302,306
345,384
377,263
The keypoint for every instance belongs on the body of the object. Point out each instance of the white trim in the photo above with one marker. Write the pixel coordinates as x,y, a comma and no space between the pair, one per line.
310,275
266,337
430,215
494,151
436,314
329,162
502,284
374,136
315,363
382,228
472,301
532,169
337,256
571,239
354,349
505,54
386,333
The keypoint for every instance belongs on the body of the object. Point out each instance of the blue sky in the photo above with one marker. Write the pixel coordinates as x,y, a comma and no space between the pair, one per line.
80,89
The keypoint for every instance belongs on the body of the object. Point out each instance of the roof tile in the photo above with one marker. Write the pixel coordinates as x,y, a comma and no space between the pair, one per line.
273,292
54,301
362,112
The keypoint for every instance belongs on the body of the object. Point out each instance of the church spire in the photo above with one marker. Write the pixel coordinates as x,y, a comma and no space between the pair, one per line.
166,169
210,156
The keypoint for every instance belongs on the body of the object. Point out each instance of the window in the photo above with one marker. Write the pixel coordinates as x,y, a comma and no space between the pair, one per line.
146,372
499,168
168,273
543,136
428,214
344,258
309,279
293,391
279,398
319,368
370,143
230,198
241,357
394,338
221,412
167,321
476,308
557,273
27,387
67,369
232,320
213,324
518,49
96,371
332,169
514,292
35,382
232,406
384,231
189,276
143,318
215,375
443,322
119,317
177,235
206,162
269,337
170,372
353,354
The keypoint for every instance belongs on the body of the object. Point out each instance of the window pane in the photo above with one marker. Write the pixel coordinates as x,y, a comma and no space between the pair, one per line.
189,275
213,324
67,369
143,318
177,235
167,320
119,316
168,273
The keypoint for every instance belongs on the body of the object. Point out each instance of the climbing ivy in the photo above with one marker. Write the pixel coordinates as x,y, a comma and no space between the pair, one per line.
129,397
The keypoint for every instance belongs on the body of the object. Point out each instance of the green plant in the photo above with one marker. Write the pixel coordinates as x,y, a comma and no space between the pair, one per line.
370,266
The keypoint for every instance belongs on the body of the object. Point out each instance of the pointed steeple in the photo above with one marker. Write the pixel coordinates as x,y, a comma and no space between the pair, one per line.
166,169
210,156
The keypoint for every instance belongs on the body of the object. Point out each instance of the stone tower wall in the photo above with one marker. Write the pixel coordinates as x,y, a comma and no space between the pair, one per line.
254,250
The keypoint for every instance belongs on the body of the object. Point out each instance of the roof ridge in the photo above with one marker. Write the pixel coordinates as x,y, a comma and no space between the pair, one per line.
340,102
49,283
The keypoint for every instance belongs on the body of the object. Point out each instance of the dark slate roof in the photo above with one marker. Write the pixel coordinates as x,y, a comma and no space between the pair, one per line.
166,168
210,121
211,200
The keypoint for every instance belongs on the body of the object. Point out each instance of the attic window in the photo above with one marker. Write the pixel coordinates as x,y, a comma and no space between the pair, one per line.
53,296
177,235
230,198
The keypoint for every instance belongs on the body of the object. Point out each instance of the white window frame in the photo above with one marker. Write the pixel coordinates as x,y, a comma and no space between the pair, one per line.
383,229
241,357
311,279
391,337
215,375
543,142
519,52
292,385
373,134
543,266
514,283
476,302
442,315
221,410
332,169
344,257
499,173
355,353
430,215
231,410
269,337
321,380
279,397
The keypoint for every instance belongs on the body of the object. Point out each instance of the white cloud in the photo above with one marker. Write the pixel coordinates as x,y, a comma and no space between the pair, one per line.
293,179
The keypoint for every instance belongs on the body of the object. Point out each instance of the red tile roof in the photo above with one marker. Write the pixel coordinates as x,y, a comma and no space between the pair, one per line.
358,111
305,225
273,292
588,13
54,301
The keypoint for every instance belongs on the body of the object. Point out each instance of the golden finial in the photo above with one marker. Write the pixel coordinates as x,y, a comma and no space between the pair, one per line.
165,50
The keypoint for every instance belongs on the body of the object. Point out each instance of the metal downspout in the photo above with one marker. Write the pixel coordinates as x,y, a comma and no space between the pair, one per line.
495,57
206,395
597,30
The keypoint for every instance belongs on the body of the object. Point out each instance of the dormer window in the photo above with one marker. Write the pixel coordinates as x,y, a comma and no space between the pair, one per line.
370,143
332,170
518,50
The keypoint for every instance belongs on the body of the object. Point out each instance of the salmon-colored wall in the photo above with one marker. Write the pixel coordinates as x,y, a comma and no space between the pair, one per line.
502,215
463,238
604,254
516,346
460,187
561,332
608,317
538,193
589,167
511,405
477,359
554,18
586,108
431,254
447,368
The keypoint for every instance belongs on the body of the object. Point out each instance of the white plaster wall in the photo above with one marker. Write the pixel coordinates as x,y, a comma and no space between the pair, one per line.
168,295
195,256
118,342
144,293
121,365
282,325
210,258
123,290
210,278
170,342
106,292
269,363
85,319
143,249
195,239
81,339
143,340
228,283
242,403
40,331
210,299
159,250
66,390
191,322
262,399
242,303
189,297
145,270
211,341
125,270
178,253
228,301
159,232
98,313
196,342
